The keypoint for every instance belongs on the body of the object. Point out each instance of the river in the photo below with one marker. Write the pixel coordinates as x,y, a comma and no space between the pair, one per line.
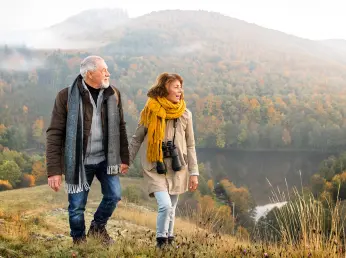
254,169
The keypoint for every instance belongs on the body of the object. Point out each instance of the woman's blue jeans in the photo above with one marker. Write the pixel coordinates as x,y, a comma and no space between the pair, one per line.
167,205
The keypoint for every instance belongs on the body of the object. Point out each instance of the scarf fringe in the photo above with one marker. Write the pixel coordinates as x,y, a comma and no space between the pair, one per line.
113,170
72,189
75,177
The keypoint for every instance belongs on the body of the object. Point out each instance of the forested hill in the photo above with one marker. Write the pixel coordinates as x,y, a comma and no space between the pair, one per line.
248,87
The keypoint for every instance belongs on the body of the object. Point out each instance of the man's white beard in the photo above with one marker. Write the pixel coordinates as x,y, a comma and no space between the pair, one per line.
105,85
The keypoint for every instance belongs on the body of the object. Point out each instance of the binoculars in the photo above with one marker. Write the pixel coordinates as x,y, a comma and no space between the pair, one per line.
169,151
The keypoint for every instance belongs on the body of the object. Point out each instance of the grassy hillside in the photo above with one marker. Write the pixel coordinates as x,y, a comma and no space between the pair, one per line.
34,223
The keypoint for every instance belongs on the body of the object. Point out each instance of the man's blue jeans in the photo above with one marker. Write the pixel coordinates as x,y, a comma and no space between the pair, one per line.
111,191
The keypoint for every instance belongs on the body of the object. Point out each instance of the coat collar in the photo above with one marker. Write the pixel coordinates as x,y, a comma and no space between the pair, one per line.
83,90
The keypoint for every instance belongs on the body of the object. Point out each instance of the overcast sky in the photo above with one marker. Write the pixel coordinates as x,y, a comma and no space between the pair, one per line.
313,19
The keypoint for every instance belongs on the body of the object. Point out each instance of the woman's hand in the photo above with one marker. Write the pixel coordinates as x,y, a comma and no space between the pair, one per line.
193,183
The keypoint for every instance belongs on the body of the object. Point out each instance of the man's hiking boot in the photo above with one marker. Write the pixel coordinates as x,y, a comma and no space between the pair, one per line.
100,232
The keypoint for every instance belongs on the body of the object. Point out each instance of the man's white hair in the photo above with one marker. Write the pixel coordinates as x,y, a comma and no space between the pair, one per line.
89,64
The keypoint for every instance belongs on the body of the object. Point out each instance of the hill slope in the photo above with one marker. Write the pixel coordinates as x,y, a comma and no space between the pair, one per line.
90,23
34,223
185,28
71,33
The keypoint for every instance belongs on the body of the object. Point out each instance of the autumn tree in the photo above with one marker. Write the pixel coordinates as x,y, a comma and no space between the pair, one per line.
25,109
5,185
9,170
318,184
339,186
22,160
211,185
225,220
37,130
39,171
2,134
242,200
14,138
27,180
207,210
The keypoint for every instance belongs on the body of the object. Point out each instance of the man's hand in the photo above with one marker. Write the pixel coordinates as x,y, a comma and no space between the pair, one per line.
193,183
54,182
124,168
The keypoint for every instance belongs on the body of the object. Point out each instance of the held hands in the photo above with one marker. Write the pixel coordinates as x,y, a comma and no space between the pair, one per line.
193,183
55,182
124,168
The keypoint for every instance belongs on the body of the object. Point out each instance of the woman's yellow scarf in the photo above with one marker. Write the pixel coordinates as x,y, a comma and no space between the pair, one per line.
153,117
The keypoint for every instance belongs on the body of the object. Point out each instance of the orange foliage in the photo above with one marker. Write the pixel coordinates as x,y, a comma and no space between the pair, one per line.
37,128
271,111
227,185
329,186
134,66
25,109
280,102
238,195
2,129
38,171
27,180
5,185
254,103
206,203
343,176
211,185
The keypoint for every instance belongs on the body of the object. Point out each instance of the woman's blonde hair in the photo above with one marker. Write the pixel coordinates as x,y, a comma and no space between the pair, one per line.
159,88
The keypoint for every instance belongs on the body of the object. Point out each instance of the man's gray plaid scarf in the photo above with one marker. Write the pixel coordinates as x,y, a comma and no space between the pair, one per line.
75,177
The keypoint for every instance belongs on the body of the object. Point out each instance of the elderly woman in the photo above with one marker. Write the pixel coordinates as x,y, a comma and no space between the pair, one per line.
168,154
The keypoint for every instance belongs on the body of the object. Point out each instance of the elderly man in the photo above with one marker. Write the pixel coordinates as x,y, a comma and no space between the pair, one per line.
86,138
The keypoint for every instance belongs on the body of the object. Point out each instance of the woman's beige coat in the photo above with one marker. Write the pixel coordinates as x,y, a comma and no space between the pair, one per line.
173,182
